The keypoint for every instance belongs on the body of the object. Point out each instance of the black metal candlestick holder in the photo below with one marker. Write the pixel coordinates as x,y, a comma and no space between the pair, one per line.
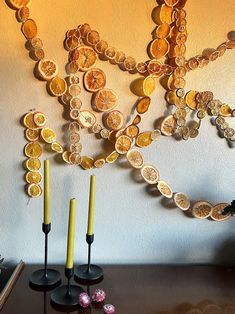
89,272
45,278
67,295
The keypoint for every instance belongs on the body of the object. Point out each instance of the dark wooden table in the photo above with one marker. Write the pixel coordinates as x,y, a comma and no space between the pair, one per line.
143,290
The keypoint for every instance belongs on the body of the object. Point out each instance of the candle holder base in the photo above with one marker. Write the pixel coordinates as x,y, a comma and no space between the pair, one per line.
61,296
39,279
89,274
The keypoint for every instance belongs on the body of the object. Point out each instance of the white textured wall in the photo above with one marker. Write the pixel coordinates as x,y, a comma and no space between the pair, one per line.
131,224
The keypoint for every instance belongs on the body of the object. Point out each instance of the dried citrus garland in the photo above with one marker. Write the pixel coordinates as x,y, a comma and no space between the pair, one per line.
85,46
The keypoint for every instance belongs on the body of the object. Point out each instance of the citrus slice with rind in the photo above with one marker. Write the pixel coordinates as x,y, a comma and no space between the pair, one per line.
159,48
149,85
114,120
155,135
87,58
105,100
87,162
39,119
217,212
132,130
162,31
74,114
190,99
31,135
136,120
202,210
28,121
23,14
181,200
150,174
104,133
75,158
47,69
33,150
93,38
123,144
163,14
29,29
225,110
144,139
48,135
33,177
74,90
99,163
171,3
33,164
143,105
17,4
34,190
86,118
75,103
65,156
57,147
58,86
112,157
135,158
164,189
169,125
94,80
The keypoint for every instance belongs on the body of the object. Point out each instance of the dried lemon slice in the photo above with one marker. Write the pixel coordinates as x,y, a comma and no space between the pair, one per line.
135,158
57,147
39,119
33,164
155,135
33,177
149,85
47,69
114,120
217,212
87,162
33,150
74,90
105,100
58,86
169,125
181,200
28,121
34,190
225,110
190,99
111,158
31,135
150,174
143,105
202,209
65,156
48,135
29,29
123,144
94,80
159,48
99,163
144,139
86,118
132,131
87,58
164,189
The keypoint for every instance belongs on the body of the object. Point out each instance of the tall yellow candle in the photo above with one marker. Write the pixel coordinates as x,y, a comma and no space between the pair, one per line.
47,201
71,232
90,226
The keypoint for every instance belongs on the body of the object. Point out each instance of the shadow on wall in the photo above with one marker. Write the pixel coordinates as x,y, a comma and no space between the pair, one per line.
225,255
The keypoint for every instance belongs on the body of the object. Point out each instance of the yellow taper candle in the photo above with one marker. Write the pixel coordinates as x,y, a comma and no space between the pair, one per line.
71,232
90,225
47,200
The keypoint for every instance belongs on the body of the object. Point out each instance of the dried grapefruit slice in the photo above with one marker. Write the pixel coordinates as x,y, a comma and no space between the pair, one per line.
28,121
217,212
135,158
57,147
112,157
47,69
143,105
202,209
31,135
105,100
29,29
48,135
159,48
123,144
144,139
181,200
86,118
169,125
94,80
33,164
33,150
33,177
114,120
58,86
34,190
87,162
164,189
87,58
150,174
132,130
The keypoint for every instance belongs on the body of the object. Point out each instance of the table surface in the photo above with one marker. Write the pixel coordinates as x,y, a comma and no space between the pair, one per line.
142,290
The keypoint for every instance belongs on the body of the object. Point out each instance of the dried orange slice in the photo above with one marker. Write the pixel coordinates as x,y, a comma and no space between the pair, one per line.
33,177
23,14
129,63
111,158
171,3
202,209
105,100
190,99
137,119
144,139
72,43
85,29
101,46
33,164
17,4
93,38
33,150
217,212
34,190
73,79
29,29
31,135
162,31
225,110
28,121
65,156
73,67
74,90
159,48
110,53
164,189
169,125
149,85
47,69
58,86
39,53
75,158
119,57
36,42
48,135
123,144
94,80
87,58
162,14
87,162
150,174
132,130
141,67
114,120
86,118
143,105
57,147
99,163
181,200
135,158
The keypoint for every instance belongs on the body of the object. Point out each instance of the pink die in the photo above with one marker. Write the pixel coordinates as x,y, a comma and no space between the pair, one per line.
109,309
98,295
84,300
